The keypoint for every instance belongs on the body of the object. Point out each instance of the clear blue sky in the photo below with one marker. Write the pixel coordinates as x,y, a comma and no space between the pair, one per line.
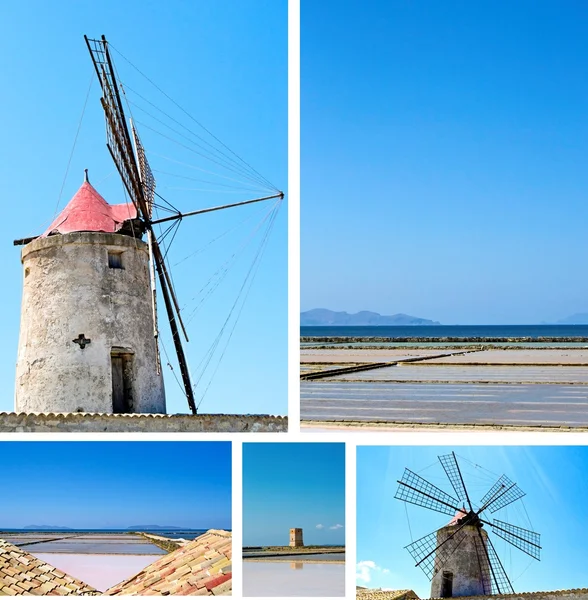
555,506
225,62
443,158
293,485
116,484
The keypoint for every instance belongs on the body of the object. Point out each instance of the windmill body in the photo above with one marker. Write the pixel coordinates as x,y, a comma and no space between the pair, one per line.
460,558
86,336
466,571
89,321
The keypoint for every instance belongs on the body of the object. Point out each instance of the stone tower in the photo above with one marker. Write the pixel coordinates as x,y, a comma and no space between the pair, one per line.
466,572
296,538
86,334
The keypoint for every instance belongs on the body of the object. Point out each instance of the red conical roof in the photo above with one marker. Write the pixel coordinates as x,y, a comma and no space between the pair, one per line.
460,514
88,211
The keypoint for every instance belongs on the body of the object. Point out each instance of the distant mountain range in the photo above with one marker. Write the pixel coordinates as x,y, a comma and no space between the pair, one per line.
323,316
577,319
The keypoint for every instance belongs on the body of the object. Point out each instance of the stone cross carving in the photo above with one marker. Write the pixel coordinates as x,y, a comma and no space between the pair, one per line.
82,341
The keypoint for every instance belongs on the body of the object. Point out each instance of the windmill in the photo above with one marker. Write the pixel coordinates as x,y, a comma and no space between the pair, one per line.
460,558
128,154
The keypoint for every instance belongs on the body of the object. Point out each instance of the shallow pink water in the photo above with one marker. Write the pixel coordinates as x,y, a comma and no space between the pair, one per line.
101,571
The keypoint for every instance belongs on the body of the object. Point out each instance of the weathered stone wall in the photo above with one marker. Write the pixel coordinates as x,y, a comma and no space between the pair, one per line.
84,422
463,564
296,537
69,290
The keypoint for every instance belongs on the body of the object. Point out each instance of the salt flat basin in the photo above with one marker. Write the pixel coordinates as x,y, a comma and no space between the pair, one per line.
101,571
88,544
100,560
552,356
423,373
293,577
73,547
305,557
361,356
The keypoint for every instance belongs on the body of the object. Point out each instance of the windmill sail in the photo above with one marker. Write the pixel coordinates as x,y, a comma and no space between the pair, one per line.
451,468
120,147
416,490
145,173
492,570
501,494
524,539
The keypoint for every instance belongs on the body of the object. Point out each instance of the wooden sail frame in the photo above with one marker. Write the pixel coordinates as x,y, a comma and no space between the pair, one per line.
120,147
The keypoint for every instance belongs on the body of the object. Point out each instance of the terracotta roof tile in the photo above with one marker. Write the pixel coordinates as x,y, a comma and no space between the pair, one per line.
199,568
23,574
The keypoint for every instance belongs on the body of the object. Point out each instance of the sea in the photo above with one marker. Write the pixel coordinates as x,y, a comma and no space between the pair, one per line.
440,331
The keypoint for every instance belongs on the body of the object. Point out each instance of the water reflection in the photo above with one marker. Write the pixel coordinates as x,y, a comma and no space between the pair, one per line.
296,565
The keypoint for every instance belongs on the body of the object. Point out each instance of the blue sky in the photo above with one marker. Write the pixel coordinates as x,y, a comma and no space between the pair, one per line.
293,485
554,506
116,484
225,62
443,158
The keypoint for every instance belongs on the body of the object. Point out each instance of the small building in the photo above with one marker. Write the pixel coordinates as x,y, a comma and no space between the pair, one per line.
296,537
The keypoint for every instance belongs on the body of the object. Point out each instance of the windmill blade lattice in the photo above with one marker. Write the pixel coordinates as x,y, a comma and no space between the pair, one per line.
501,494
449,463
492,569
524,539
416,490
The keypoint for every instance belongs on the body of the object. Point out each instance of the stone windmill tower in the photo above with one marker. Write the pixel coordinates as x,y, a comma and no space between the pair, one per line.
459,558
465,571
88,338
87,333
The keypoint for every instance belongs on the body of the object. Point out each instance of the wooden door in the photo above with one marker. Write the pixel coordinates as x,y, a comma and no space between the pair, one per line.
118,387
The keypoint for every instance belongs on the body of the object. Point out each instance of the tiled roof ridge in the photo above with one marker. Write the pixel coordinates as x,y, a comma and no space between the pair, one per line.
220,533
391,594
529,594
22,573
76,415
371,590
202,567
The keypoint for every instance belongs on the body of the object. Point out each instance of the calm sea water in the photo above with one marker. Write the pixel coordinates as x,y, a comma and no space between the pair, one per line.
439,331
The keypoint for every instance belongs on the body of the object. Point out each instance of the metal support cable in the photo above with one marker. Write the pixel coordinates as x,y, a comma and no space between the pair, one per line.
231,166
191,117
74,145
